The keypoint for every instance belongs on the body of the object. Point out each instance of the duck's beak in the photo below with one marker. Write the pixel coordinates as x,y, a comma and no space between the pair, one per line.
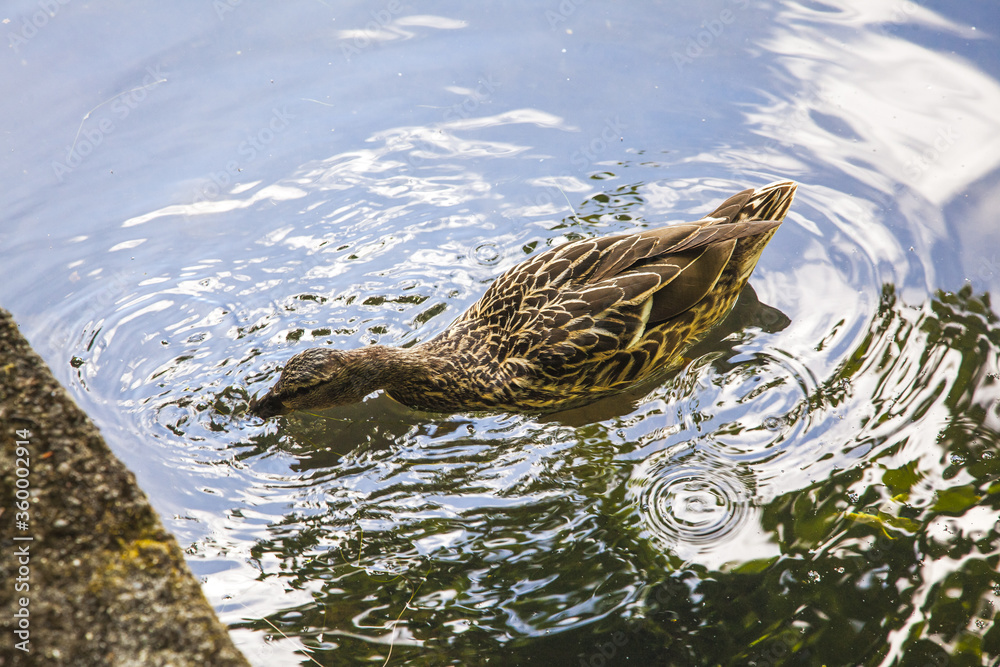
267,406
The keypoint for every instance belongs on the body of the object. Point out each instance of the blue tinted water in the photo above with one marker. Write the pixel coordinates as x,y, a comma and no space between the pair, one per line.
194,192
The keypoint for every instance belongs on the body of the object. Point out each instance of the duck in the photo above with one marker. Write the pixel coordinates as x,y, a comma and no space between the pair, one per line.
567,326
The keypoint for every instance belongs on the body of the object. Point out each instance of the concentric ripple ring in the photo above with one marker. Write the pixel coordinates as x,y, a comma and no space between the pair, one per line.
689,502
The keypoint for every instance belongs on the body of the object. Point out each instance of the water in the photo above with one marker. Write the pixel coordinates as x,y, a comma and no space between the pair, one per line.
193,193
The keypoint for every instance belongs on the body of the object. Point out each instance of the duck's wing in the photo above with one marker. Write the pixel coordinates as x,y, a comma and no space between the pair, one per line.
643,281
686,254
604,293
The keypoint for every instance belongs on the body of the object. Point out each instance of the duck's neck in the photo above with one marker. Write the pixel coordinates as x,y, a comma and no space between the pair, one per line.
389,368
417,377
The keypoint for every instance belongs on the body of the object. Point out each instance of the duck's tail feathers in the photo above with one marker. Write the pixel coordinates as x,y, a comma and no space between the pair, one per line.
770,202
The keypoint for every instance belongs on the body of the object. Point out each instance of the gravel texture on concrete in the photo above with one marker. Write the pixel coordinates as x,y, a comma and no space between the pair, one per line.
88,575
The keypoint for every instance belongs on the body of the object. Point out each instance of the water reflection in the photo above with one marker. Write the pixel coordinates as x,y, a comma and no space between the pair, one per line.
471,523
805,444
696,506
818,485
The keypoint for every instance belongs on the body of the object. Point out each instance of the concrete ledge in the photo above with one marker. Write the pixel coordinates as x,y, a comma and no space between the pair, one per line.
88,575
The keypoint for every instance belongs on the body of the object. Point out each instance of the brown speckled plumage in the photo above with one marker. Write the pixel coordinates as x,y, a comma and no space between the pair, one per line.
563,328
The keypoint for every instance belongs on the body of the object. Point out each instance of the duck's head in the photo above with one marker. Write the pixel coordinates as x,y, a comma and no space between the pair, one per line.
316,379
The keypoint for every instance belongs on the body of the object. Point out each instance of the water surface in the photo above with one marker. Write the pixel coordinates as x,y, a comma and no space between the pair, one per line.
194,193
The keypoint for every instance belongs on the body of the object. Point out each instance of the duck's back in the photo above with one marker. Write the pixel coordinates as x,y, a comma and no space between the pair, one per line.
594,316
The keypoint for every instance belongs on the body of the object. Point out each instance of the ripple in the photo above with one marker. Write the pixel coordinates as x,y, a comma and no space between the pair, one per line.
767,396
693,505
487,253
754,403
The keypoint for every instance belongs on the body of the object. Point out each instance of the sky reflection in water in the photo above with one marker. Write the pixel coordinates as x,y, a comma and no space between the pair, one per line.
817,487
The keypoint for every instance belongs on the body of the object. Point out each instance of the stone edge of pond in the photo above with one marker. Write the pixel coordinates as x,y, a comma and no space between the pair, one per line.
100,581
